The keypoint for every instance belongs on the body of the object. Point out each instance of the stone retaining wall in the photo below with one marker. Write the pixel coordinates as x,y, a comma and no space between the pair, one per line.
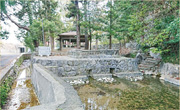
170,73
168,68
78,67
104,53
131,45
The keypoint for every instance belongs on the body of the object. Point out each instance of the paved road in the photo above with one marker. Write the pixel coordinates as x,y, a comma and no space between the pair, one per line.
5,60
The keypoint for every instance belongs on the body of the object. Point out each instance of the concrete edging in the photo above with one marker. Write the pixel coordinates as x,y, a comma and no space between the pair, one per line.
49,91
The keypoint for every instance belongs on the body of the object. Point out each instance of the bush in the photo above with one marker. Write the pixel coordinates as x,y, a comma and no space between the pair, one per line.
4,90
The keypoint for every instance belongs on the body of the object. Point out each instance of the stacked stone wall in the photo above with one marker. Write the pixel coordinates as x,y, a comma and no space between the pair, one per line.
78,67
131,45
104,53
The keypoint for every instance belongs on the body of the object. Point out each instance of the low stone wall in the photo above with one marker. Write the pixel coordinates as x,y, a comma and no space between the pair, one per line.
51,93
78,67
131,45
106,46
107,53
169,69
170,73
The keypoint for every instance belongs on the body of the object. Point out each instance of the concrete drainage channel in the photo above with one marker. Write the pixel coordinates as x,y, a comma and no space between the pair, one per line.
53,93
48,91
22,92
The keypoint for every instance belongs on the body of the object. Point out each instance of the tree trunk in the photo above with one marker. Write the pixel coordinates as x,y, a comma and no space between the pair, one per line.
110,41
51,43
90,28
96,44
77,25
110,37
86,30
44,39
90,39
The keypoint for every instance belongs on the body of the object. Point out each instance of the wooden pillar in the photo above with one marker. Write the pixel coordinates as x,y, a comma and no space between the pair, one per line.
70,43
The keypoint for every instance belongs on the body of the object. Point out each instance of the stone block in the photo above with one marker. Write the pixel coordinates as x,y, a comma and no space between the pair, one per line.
43,63
71,73
59,63
70,63
67,68
130,68
60,70
76,63
53,63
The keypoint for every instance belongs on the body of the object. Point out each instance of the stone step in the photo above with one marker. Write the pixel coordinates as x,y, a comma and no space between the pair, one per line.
145,68
149,63
145,65
125,74
152,59
149,57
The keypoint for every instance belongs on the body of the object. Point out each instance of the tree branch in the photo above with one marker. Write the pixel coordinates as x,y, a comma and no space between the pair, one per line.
18,25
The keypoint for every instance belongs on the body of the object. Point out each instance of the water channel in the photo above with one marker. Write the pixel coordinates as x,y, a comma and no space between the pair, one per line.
22,94
123,94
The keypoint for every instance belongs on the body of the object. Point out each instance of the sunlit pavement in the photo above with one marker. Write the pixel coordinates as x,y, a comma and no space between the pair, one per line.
6,59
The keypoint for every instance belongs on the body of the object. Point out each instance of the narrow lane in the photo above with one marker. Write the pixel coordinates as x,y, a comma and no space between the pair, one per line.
5,60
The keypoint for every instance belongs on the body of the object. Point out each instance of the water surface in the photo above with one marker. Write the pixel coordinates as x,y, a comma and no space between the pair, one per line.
149,93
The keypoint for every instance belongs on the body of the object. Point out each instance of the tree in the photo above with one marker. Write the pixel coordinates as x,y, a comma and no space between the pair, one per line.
4,14
74,11
86,27
39,17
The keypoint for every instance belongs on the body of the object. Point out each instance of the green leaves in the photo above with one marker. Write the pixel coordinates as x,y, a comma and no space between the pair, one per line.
72,10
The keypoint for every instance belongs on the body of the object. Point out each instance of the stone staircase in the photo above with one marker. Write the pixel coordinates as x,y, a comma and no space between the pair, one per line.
149,64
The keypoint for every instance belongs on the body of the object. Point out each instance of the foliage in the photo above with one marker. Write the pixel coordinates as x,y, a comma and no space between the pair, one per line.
4,89
131,55
72,10
150,23
4,34
5,86
20,61
32,14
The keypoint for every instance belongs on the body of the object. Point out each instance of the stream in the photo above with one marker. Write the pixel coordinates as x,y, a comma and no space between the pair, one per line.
22,94
123,94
